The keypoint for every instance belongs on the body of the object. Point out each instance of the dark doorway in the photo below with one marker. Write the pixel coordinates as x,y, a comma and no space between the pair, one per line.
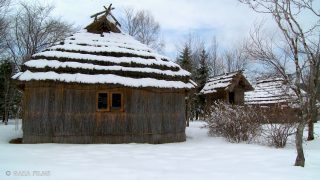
231,97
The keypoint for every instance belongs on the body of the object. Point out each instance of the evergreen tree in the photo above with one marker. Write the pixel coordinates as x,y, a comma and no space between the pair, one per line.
9,96
185,60
2,87
202,75
5,73
202,72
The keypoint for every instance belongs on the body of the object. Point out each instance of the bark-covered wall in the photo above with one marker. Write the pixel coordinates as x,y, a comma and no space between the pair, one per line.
62,113
219,95
223,95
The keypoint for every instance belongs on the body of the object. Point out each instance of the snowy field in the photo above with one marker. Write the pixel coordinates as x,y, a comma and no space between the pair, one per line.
199,158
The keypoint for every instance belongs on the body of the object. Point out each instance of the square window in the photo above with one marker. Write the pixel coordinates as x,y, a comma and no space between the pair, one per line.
109,101
103,101
116,103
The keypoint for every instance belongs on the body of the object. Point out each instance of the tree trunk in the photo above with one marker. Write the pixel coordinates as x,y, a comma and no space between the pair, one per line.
6,119
312,120
6,111
300,160
6,104
197,114
3,117
187,112
310,130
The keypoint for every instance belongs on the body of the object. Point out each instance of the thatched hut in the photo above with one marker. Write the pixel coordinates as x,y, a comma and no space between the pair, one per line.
271,92
228,87
276,98
103,86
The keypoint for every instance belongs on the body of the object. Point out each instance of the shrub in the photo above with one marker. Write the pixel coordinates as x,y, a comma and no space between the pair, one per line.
16,141
235,123
281,123
245,123
277,134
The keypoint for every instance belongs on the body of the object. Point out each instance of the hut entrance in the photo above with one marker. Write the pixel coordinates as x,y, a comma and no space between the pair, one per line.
231,97
229,87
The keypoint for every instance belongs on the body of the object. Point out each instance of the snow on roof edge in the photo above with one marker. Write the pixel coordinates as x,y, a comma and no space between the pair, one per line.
101,79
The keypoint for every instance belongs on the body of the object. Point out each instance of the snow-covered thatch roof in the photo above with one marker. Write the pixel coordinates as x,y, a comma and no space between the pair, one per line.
226,82
270,91
104,56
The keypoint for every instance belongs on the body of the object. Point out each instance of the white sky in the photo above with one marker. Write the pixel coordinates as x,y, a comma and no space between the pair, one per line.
229,20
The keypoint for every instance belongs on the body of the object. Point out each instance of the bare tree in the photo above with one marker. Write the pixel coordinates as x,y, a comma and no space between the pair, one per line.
142,25
300,40
129,23
31,29
267,50
34,29
313,86
215,61
3,23
235,59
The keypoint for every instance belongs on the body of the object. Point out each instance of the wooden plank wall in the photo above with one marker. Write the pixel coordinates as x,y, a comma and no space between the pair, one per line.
220,95
223,95
67,114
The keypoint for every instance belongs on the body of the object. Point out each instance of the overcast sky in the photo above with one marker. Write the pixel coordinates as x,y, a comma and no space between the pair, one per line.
228,20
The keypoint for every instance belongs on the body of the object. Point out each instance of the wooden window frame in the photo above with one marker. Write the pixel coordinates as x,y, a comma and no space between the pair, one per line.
109,107
97,101
121,109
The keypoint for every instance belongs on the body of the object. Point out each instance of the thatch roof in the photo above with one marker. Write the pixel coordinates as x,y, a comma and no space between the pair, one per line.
270,91
101,54
226,82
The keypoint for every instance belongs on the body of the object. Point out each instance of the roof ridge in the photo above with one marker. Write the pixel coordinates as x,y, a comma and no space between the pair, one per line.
226,74
104,21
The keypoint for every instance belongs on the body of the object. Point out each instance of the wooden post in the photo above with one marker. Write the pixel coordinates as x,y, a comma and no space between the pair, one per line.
187,110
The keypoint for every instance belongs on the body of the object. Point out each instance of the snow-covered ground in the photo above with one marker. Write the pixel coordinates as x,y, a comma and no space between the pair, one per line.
200,157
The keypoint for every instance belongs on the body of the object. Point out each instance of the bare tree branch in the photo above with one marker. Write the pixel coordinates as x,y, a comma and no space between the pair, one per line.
34,29
3,24
142,25
301,41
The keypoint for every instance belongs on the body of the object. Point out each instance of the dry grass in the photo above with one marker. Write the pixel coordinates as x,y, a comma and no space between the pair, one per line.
16,141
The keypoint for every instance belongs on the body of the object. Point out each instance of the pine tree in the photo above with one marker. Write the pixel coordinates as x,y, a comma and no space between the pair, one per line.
2,99
9,95
202,75
5,74
185,59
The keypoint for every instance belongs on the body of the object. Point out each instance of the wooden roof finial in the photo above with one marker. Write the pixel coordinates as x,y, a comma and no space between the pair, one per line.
104,21
106,11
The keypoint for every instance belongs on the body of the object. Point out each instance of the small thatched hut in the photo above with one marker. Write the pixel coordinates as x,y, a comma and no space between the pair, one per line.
276,98
271,92
229,87
103,86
